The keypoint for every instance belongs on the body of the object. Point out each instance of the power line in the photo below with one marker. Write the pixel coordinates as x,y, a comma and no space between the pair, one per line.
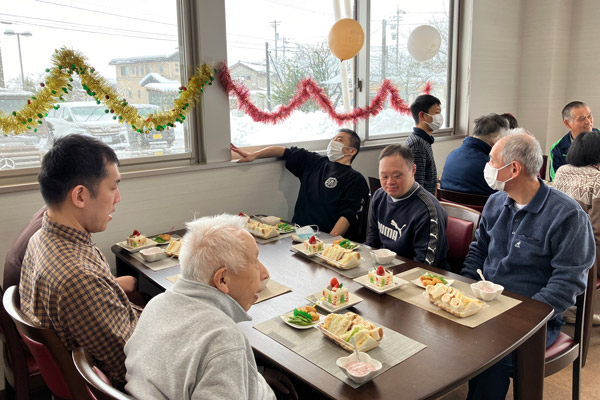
107,13
24,17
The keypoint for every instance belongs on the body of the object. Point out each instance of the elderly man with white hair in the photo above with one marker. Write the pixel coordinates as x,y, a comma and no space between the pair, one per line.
533,239
187,344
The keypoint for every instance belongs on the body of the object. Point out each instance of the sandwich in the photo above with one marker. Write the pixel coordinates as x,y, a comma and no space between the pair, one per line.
341,329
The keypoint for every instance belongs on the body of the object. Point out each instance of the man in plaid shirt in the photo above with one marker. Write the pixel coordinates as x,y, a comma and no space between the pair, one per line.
66,283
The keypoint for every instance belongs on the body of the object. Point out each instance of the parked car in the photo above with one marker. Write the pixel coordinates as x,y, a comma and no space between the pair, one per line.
154,136
86,117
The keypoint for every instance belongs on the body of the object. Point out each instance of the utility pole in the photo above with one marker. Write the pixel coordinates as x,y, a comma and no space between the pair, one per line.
383,48
397,18
274,24
268,76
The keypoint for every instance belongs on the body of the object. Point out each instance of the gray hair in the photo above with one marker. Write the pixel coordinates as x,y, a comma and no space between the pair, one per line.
212,243
490,125
524,149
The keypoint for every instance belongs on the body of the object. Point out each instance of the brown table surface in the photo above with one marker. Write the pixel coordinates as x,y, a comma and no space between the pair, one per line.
454,353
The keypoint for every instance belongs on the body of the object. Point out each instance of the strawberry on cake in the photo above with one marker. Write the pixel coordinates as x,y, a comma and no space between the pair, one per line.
380,277
313,245
136,239
335,293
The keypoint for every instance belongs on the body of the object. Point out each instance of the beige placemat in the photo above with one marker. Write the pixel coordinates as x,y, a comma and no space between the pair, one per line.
414,295
165,263
273,289
173,279
367,262
312,345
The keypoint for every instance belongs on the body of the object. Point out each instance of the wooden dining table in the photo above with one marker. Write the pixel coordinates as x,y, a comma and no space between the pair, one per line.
454,353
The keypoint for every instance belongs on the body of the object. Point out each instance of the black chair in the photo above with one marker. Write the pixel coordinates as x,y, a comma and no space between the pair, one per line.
474,201
363,221
98,384
569,350
374,184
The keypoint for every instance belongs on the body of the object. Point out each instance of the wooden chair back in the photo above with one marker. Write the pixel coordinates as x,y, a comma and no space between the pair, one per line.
474,201
52,357
98,384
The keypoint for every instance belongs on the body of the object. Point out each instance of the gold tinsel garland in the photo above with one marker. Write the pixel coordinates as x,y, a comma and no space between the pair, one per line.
66,62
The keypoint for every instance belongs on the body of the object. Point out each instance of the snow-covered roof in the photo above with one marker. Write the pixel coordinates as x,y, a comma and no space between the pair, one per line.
142,59
154,77
169,87
260,68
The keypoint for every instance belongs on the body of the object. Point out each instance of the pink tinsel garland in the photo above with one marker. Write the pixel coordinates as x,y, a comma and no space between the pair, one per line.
307,88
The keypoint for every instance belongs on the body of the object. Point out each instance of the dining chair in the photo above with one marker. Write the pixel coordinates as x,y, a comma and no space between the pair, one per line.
460,232
374,184
53,358
98,385
567,350
543,168
474,201
363,221
21,371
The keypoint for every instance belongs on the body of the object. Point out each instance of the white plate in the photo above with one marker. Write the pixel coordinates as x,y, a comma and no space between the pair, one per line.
149,243
419,284
299,248
364,280
313,298
285,316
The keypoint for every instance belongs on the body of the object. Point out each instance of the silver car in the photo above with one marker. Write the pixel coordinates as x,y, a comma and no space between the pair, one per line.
89,118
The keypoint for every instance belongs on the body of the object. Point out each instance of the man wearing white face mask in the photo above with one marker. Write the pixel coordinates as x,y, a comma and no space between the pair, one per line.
427,113
532,239
331,192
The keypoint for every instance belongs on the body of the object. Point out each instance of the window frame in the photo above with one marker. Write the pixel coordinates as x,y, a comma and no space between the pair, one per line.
202,38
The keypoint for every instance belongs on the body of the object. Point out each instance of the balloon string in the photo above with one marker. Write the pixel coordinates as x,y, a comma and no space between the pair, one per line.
307,89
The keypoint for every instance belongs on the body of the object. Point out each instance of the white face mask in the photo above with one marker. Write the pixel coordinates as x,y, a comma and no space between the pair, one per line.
438,121
491,174
334,150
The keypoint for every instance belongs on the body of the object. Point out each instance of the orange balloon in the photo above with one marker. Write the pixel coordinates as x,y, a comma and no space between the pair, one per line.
346,38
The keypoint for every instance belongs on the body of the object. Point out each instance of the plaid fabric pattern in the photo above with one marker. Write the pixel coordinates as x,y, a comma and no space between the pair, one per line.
426,174
66,285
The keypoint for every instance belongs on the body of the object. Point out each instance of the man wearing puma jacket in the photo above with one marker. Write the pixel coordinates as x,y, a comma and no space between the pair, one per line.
405,217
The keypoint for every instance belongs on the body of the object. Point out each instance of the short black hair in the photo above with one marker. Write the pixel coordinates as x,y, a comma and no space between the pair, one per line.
512,121
585,150
354,141
74,160
490,124
423,103
566,111
398,150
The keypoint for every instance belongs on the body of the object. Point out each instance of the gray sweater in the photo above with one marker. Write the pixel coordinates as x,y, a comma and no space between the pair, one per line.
187,346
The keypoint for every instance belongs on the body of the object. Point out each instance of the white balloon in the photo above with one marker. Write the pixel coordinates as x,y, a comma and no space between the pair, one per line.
424,42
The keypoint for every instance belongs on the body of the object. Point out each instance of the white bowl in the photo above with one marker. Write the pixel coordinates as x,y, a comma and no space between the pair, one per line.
342,362
486,290
153,254
383,256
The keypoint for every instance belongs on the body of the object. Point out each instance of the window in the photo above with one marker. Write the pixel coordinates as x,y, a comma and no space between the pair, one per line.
117,43
147,69
390,26
278,37
281,43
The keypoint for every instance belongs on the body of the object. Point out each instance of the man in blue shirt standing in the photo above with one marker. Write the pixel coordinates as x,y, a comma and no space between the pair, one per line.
533,239
463,171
